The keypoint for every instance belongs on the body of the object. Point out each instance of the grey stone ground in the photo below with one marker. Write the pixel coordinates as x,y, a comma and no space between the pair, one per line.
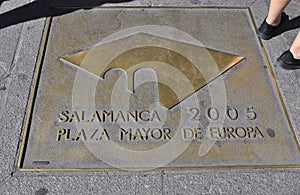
19,46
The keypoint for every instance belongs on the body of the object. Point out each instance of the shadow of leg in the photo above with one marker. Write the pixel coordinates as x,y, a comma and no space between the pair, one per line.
34,10
289,25
294,23
43,8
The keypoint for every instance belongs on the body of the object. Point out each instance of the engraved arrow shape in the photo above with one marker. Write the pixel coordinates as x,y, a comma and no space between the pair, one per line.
181,68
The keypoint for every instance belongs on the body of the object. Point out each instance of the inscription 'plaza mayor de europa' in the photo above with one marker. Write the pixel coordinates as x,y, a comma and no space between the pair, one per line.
145,134
154,92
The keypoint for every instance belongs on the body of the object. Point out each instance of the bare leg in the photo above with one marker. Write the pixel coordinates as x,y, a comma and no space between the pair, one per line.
1,1
275,11
295,48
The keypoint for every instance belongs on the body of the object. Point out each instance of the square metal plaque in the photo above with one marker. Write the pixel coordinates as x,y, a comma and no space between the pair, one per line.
149,88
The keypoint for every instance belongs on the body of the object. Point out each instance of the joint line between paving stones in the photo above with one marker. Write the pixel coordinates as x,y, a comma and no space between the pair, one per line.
17,51
11,67
19,46
22,126
162,182
254,3
28,97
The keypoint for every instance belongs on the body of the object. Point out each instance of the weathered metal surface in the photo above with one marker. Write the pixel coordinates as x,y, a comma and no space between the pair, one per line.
143,88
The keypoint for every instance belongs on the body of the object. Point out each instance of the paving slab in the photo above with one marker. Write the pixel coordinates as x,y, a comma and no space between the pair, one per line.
232,182
21,82
9,46
98,184
226,181
66,138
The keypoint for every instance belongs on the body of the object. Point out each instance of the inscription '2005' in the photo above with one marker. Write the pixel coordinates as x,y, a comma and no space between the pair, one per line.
231,113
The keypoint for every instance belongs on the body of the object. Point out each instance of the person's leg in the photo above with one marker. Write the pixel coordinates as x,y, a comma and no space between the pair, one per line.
290,59
275,10
295,47
273,25
1,1
276,21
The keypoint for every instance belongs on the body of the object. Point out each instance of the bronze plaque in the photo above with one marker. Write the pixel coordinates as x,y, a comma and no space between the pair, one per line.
149,88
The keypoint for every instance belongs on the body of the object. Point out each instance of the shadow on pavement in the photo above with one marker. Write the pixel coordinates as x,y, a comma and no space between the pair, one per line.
43,8
294,23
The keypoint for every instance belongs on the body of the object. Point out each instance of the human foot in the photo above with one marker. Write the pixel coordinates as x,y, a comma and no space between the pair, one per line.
288,62
267,31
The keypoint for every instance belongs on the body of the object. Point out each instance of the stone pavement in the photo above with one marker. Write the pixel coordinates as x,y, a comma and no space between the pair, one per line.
20,45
